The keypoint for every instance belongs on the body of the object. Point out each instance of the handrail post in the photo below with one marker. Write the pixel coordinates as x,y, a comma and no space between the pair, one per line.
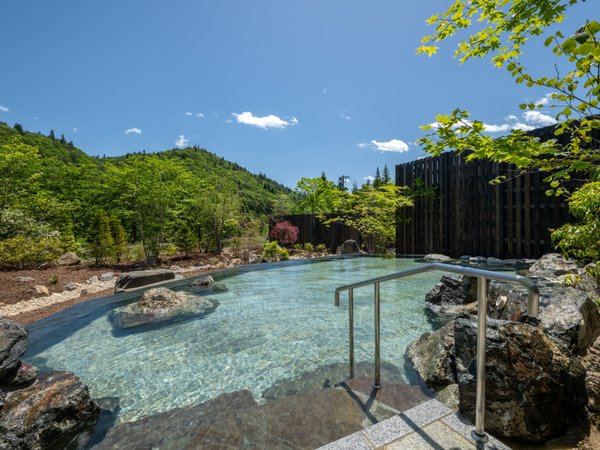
481,335
377,383
351,330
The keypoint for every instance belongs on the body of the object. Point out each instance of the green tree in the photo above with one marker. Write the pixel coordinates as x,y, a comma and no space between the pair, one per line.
119,239
372,212
100,237
504,26
19,128
151,187
386,178
377,181
51,135
319,196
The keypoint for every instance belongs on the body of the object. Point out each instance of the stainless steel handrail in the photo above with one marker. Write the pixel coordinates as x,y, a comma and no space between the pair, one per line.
533,300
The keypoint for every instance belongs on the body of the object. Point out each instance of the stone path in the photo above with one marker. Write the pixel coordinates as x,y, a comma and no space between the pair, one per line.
430,425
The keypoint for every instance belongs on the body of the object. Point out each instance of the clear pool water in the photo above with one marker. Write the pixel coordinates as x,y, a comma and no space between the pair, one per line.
271,325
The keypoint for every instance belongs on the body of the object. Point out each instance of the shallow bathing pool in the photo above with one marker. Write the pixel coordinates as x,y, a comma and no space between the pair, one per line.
272,324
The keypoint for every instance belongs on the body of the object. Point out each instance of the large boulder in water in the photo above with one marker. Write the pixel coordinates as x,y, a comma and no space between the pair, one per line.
49,414
161,304
535,389
13,343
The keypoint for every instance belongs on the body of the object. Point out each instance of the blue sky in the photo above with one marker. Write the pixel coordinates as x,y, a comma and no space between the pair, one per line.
289,89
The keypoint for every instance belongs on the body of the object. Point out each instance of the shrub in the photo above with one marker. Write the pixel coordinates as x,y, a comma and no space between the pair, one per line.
284,233
298,246
321,248
22,252
53,279
273,252
308,246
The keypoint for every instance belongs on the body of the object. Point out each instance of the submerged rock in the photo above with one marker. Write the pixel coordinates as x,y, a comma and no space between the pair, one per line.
535,389
13,343
207,284
49,414
131,280
158,305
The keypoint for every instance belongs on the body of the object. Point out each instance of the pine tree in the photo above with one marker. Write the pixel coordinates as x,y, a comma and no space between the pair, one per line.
119,239
323,177
354,188
377,181
51,135
342,183
387,179
100,237
62,139
19,128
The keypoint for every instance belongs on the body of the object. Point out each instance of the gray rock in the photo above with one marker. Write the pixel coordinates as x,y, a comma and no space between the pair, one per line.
24,374
68,259
93,279
432,357
70,286
465,257
2,403
132,280
13,343
591,363
551,266
50,413
491,261
159,305
449,396
567,313
24,279
348,247
535,390
450,296
509,262
434,257
203,281
106,276
40,291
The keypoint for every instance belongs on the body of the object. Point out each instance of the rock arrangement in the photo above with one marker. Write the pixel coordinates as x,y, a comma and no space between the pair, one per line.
161,304
38,411
481,261
541,378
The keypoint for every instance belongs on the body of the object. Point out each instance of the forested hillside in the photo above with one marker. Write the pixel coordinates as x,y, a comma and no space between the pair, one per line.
55,197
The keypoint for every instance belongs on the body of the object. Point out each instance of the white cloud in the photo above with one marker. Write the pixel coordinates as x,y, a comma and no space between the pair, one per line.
363,145
4,108
368,178
490,128
393,145
538,118
344,116
133,130
511,117
270,121
75,130
544,100
522,126
189,114
182,141
200,115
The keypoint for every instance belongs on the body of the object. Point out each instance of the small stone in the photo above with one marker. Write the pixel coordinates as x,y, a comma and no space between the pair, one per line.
68,259
203,281
175,268
491,261
40,291
24,374
70,286
434,257
84,292
24,279
93,280
106,276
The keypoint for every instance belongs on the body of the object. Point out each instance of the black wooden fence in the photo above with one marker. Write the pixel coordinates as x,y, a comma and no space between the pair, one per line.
312,230
466,215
